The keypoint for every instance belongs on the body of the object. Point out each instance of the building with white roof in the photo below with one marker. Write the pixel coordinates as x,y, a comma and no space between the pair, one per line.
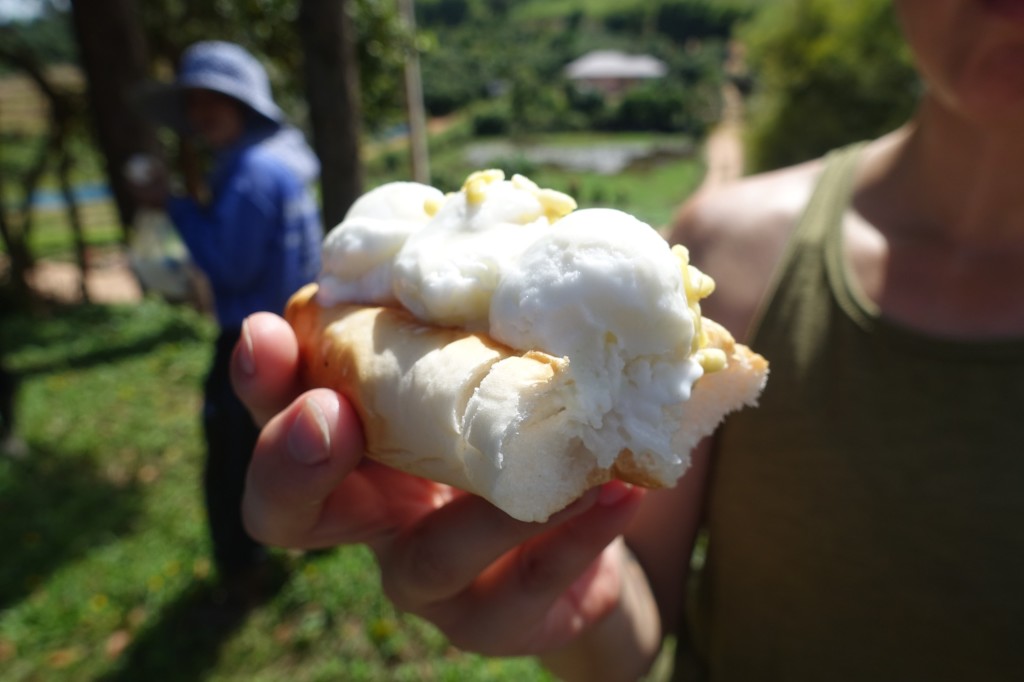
613,72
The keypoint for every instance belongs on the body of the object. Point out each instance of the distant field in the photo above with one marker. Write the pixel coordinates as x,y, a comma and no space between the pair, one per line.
23,109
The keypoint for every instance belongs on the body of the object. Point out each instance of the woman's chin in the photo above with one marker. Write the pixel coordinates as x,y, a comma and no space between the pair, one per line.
1008,10
992,93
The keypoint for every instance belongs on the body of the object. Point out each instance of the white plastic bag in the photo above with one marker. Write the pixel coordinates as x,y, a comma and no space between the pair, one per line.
155,251
158,256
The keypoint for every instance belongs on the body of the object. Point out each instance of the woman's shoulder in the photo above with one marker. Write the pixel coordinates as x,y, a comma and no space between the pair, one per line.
737,234
751,208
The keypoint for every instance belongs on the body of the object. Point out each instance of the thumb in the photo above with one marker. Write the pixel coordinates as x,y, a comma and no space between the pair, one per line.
303,454
265,366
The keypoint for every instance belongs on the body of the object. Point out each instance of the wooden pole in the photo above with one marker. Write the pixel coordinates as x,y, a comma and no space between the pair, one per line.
419,155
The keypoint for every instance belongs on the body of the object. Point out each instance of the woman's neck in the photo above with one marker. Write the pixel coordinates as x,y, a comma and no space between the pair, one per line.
936,237
941,175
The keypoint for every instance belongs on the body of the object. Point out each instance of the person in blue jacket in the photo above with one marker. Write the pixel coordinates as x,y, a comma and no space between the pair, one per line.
254,231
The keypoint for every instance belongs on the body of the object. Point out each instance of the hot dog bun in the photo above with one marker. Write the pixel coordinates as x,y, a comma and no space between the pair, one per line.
463,409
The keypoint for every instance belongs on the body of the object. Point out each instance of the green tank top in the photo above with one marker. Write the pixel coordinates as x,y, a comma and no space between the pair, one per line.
866,522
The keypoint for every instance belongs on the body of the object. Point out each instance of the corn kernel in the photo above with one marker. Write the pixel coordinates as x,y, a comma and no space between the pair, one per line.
432,205
556,204
682,253
702,285
525,183
476,184
711,359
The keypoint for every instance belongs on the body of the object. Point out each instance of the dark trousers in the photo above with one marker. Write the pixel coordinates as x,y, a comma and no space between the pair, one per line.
230,438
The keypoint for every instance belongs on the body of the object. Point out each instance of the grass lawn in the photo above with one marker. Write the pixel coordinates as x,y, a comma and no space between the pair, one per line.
51,235
106,575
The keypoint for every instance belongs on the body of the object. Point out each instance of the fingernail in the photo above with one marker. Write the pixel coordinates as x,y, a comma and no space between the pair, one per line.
309,440
612,493
246,354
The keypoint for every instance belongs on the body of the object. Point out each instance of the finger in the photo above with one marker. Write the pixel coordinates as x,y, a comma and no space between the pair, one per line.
440,557
265,366
303,455
548,589
375,502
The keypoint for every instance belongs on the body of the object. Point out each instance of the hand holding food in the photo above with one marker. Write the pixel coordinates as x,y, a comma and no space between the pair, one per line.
499,341
489,582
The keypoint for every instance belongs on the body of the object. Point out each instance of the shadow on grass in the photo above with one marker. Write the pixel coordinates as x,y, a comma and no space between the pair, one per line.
54,509
185,640
83,336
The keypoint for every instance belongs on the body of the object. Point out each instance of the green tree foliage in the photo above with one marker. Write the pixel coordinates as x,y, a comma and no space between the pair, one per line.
828,72
484,58
515,59
48,37
684,20
660,107
267,28
381,41
632,20
678,20
442,12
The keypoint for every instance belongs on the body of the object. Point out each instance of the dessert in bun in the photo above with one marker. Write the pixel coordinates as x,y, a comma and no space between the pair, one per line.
502,342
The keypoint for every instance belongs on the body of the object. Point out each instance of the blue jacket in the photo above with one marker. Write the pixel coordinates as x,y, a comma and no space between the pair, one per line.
259,240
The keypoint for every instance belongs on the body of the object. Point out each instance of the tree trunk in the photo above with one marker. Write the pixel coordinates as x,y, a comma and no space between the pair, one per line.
332,89
17,252
112,51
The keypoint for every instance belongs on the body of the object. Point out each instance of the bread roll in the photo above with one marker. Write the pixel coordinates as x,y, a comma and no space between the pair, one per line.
462,409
